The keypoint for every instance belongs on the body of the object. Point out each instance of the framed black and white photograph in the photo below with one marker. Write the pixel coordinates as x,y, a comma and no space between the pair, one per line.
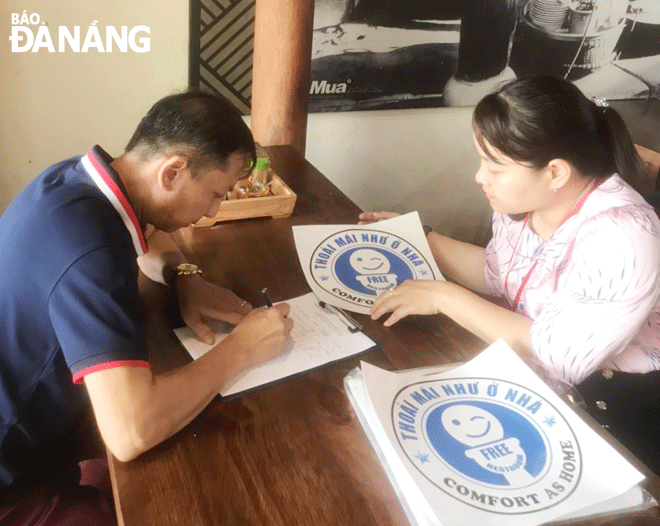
392,54
385,54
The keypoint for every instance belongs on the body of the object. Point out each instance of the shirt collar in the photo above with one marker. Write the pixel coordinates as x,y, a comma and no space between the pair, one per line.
96,163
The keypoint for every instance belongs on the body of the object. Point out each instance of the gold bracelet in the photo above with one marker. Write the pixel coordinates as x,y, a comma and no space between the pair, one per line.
187,269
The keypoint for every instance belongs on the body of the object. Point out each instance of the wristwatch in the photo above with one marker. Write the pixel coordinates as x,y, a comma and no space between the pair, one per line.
187,269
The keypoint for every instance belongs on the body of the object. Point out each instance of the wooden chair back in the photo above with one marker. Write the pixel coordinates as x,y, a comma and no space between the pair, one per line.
652,160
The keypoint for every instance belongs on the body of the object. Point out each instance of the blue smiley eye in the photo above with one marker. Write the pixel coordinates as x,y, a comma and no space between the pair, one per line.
359,259
456,422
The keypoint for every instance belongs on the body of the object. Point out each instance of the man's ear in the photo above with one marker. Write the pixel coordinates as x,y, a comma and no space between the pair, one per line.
559,172
171,171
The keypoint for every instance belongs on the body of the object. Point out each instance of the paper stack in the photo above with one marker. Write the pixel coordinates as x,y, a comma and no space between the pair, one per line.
488,443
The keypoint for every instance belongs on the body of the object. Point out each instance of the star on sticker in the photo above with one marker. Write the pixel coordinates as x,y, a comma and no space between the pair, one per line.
422,457
550,421
325,278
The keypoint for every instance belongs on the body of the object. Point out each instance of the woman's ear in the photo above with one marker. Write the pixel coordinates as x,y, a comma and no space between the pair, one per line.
559,172
171,171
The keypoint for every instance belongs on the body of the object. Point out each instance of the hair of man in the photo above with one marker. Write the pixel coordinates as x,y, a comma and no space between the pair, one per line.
203,127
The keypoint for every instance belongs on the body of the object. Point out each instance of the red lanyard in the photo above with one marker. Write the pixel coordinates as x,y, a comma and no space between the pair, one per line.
574,211
516,300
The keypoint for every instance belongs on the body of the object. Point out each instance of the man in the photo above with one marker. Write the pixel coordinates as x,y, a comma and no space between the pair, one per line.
71,338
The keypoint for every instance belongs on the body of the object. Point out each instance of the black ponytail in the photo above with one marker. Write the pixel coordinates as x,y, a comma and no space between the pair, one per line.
618,143
533,120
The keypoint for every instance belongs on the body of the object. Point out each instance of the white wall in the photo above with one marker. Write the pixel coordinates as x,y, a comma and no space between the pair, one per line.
405,160
55,105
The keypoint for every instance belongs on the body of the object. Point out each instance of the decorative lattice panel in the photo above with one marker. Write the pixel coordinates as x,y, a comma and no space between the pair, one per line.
221,45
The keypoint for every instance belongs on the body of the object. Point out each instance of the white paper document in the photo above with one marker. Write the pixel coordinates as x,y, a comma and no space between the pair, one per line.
351,265
319,336
489,443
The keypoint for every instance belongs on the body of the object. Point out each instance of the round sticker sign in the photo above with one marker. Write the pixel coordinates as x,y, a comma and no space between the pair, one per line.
357,265
491,444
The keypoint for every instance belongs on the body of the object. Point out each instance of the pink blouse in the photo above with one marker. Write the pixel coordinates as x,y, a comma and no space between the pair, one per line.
592,290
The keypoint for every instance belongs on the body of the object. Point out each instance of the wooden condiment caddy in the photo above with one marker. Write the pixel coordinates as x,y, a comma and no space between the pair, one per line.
280,204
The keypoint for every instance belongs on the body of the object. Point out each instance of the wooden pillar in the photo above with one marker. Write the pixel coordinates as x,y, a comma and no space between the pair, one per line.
281,71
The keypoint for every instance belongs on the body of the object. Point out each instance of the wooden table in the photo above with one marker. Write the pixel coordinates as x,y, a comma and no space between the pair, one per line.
295,453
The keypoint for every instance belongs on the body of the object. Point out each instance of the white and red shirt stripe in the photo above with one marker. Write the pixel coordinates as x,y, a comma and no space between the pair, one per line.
108,183
96,165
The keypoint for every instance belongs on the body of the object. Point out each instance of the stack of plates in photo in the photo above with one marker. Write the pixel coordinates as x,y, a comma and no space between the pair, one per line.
548,14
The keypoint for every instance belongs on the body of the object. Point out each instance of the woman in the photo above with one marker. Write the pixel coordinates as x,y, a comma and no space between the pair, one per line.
575,252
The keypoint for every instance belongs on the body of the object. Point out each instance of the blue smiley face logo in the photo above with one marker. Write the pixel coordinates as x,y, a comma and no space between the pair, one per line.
369,261
371,270
487,442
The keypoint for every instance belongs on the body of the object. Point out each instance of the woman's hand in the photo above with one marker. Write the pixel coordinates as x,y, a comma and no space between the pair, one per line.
201,301
373,217
418,296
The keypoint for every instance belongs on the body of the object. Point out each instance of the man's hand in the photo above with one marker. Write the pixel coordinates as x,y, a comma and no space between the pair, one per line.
135,409
262,333
201,301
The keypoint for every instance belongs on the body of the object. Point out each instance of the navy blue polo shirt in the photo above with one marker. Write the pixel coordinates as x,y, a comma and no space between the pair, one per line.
69,304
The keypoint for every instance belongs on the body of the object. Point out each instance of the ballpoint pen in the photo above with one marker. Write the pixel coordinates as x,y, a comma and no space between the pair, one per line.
266,298
350,322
